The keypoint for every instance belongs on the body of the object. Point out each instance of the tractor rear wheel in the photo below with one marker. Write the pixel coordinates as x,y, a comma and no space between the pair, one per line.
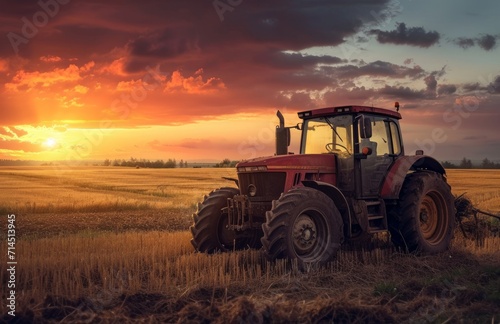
210,233
303,224
424,218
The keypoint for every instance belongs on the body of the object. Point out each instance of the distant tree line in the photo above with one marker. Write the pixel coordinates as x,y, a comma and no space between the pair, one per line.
467,164
143,163
226,163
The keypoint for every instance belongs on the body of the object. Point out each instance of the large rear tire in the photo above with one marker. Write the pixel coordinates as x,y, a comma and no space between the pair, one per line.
210,233
303,224
424,218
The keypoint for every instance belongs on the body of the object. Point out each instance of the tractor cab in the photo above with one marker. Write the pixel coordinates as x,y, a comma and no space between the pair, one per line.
365,141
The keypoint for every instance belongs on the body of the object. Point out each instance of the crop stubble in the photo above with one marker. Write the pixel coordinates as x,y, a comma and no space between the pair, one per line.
112,242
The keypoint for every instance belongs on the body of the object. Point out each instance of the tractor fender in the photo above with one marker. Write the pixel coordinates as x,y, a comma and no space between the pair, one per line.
396,174
335,195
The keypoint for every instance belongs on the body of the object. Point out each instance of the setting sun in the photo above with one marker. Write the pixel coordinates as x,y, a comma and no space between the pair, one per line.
50,143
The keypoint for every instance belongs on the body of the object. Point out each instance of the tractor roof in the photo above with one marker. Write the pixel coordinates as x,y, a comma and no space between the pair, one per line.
332,111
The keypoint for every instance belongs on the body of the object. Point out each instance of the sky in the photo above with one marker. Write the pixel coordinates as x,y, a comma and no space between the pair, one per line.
202,80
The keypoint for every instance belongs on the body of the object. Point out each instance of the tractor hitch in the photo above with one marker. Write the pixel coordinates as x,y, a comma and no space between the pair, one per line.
239,210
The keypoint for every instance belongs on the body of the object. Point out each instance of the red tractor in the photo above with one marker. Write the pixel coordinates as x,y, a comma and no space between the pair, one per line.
351,179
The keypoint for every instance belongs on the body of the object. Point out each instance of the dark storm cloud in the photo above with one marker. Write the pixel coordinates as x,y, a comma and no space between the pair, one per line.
413,36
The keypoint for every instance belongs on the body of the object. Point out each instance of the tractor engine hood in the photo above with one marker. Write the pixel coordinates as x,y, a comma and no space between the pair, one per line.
318,163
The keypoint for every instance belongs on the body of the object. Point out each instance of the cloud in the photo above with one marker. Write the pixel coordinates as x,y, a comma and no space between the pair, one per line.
117,67
487,42
404,93
446,89
50,59
469,87
378,69
128,86
431,83
193,84
247,61
413,36
81,89
494,86
15,145
258,59
464,42
25,81
294,61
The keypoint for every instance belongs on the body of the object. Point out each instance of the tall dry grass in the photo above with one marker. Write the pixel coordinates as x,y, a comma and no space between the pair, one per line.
104,267
110,259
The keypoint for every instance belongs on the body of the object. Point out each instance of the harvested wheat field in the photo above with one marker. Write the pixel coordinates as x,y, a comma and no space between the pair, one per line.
101,244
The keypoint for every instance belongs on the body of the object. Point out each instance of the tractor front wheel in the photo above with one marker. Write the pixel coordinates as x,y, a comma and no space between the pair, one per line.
303,224
424,218
210,232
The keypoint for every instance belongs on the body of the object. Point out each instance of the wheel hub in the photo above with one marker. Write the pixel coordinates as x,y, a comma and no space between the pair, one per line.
304,234
431,224
423,216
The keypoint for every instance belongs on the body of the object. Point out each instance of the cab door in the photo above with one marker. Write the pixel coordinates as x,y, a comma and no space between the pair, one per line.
385,146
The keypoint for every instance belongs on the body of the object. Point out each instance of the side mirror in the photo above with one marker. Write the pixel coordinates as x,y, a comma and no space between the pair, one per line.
365,127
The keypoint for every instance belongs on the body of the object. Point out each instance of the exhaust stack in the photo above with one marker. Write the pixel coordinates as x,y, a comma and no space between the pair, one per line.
282,136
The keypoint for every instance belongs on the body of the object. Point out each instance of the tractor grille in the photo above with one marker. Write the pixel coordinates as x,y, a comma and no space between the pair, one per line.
268,185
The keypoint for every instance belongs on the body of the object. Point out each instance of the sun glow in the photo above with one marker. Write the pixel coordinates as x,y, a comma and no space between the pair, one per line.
50,143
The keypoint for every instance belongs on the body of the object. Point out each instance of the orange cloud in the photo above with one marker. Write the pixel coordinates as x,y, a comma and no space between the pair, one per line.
81,89
28,80
50,59
116,67
193,84
128,86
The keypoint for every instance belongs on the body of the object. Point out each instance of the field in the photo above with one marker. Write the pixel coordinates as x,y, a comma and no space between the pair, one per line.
107,243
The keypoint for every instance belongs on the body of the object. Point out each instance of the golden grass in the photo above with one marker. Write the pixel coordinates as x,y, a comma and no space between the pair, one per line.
105,265
481,186
99,189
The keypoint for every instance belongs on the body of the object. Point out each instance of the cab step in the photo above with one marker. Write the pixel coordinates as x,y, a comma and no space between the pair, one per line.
377,220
